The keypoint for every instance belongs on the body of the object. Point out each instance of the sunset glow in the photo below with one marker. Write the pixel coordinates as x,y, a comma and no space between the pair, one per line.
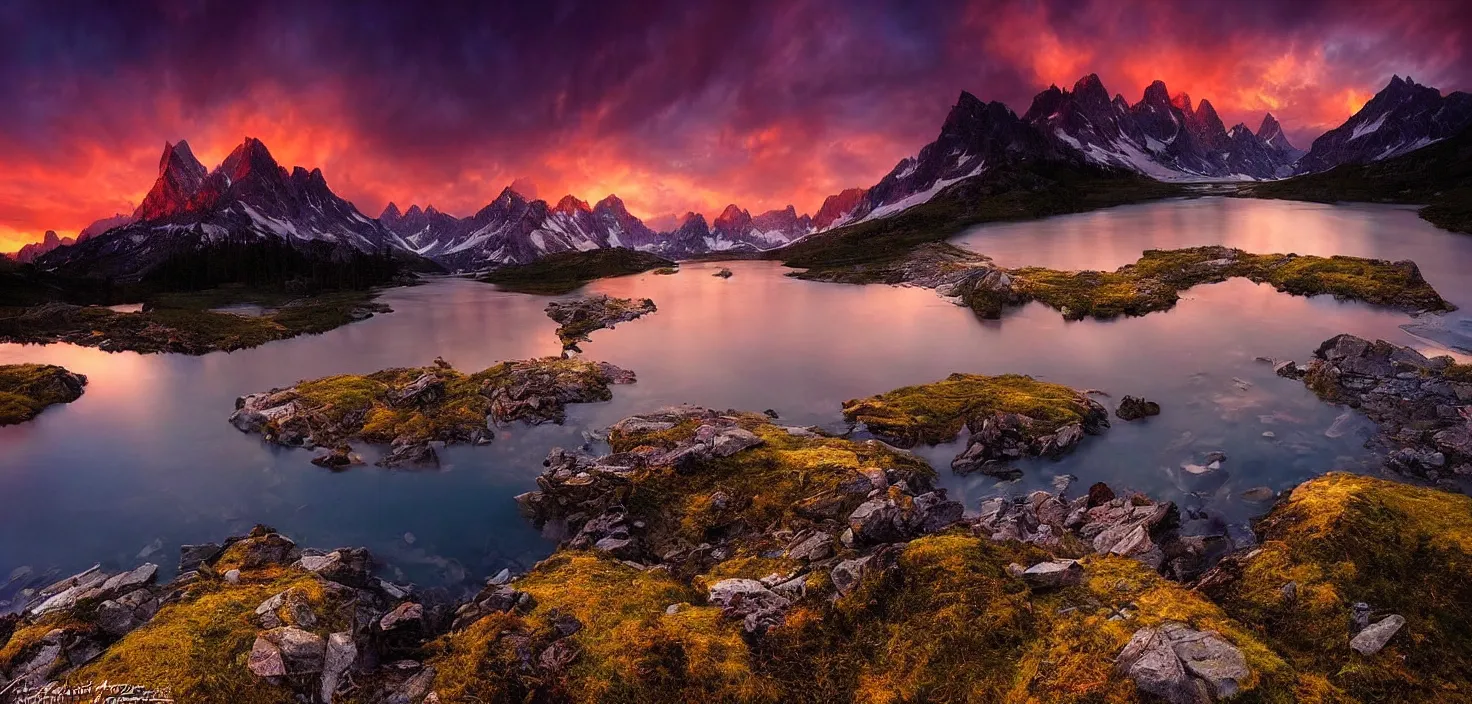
672,106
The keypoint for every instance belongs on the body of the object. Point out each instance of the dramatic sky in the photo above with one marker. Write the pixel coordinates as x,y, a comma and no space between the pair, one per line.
674,105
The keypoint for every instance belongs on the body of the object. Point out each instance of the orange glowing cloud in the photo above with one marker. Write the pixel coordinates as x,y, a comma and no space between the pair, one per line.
673,106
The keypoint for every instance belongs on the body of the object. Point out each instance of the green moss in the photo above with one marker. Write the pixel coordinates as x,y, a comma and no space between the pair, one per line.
666,271
631,650
28,389
564,272
198,647
1344,539
934,413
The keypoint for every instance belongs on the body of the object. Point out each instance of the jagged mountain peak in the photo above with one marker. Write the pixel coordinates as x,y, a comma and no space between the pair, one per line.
180,176
611,202
1156,94
1182,100
570,205
391,212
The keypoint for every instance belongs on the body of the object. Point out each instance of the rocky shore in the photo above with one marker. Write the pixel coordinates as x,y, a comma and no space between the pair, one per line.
181,330
579,317
718,555
412,410
1422,406
1008,417
1154,283
28,389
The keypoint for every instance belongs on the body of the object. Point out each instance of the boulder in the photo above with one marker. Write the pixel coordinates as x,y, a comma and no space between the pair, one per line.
847,574
1374,636
340,654
405,615
1182,665
410,454
759,607
1132,408
287,652
192,556
1054,575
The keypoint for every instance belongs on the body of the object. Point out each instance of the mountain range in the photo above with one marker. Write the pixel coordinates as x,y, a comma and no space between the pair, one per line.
250,197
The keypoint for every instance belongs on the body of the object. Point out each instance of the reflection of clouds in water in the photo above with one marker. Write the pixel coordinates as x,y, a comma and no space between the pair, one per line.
147,452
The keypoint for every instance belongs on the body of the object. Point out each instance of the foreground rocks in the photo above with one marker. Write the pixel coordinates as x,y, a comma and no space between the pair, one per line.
258,620
1009,417
28,389
1154,283
1101,523
718,556
579,317
1364,580
1422,406
408,409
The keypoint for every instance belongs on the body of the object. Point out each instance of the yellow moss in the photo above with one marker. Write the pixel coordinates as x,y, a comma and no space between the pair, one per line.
1344,539
336,396
934,413
1154,282
764,486
198,647
27,389
747,567
631,650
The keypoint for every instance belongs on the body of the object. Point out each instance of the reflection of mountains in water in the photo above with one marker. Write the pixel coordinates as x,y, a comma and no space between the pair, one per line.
1454,333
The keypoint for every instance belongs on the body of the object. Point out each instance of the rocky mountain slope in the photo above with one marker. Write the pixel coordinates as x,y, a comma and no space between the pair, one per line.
1402,117
247,198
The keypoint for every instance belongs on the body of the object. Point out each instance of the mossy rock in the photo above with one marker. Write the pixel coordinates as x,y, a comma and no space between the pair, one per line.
198,646
934,413
945,622
789,481
1156,280
1343,539
630,649
28,389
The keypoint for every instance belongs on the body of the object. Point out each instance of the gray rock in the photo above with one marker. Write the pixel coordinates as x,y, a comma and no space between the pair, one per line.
340,655
875,521
734,440
127,581
405,615
847,574
1374,637
1054,575
1182,665
287,651
818,546
191,556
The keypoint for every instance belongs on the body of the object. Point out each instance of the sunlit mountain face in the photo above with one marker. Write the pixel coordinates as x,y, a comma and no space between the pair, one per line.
674,107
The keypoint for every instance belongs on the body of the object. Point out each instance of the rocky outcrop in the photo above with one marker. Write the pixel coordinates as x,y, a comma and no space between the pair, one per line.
28,389
1101,523
579,317
1422,406
1132,408
329,627
1183,666
1152,284
1009,417
732,482
408,409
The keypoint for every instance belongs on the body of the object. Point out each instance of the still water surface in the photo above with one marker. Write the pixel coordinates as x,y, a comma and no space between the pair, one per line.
145,460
